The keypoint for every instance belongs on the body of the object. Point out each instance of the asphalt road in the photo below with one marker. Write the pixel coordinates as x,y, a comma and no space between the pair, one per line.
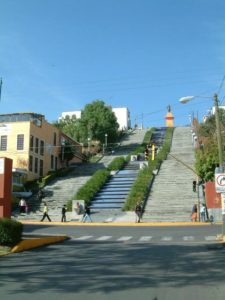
174,234
152,269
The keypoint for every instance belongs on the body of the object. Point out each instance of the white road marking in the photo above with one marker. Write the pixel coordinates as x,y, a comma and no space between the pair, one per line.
104,238
167,238
85,237
145,238
210,238
188,238
124,238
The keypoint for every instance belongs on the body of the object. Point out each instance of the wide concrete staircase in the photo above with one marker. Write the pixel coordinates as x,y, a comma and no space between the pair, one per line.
171,197
63,189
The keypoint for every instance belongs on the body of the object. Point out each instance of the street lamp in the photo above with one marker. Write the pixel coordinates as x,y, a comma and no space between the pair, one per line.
219,139
106,135
89,145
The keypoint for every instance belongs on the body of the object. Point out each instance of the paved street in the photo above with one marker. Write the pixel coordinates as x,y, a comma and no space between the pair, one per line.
133,234
101,268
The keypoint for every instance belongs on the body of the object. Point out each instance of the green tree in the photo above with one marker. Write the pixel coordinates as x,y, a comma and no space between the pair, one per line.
98,119
69,126
207,155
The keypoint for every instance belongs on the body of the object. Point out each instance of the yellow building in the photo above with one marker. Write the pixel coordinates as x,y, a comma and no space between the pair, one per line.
34,145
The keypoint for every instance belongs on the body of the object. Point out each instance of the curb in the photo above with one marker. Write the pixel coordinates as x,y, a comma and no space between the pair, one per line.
37,242
131,224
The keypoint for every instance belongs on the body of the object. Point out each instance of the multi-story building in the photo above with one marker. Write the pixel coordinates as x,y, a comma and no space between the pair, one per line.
122,115
34,145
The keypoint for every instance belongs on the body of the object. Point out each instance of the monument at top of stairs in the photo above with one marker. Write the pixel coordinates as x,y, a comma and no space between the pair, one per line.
169,117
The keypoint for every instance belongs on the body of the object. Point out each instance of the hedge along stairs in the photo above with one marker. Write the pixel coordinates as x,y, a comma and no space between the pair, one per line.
63,189
171,197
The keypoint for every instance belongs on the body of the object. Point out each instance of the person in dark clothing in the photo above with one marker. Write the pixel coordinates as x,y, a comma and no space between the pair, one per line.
86,215
138,210
64,213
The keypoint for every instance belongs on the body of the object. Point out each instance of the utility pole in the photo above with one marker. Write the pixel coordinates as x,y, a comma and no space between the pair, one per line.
220,151
218,132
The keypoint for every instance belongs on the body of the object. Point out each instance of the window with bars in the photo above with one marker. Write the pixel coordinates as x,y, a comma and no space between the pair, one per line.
56,163
36,165
41,167
31,163
3,146
54,139
36,145
20,141
52,162
31,143
42,145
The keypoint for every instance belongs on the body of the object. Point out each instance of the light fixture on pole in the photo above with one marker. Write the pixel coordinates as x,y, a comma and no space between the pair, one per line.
219,141
106,135
89,145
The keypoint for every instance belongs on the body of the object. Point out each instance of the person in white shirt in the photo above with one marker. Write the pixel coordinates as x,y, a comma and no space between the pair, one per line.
22,205
202,213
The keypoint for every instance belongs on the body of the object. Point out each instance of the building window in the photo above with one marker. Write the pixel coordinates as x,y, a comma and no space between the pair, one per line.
42,145
54,141
31,143
3,146
52,162
31,163
41,167
36,145
36,165
56,163
20,141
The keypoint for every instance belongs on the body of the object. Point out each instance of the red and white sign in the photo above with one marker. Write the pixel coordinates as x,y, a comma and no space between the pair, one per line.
220,182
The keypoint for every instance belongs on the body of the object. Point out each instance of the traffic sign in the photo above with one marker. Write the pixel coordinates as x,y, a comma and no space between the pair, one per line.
220,182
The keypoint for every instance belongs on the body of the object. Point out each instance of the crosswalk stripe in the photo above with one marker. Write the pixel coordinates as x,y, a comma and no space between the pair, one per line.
210,238
104,238
141,239
85,237
188,238
145,238
124,238
166,238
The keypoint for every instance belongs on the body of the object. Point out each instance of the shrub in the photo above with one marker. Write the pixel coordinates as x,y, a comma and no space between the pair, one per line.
140,188
10,232
117,164
92,186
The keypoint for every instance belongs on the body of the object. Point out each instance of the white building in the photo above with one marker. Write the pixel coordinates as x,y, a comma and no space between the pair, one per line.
122,115
76,113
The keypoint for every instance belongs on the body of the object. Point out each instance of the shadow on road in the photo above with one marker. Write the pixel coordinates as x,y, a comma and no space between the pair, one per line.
74,267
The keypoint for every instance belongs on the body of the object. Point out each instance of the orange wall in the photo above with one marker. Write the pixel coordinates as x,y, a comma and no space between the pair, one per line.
213,199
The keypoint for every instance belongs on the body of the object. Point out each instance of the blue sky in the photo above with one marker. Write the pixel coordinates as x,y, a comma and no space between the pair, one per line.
59,55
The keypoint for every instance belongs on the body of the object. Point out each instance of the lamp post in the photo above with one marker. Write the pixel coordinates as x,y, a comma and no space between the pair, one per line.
219,141
106,136
89,145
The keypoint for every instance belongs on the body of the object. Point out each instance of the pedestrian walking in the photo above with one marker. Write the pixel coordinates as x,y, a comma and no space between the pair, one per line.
202,213
64,209
86,215
138,210
22,205
40,194
45,213
194,213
